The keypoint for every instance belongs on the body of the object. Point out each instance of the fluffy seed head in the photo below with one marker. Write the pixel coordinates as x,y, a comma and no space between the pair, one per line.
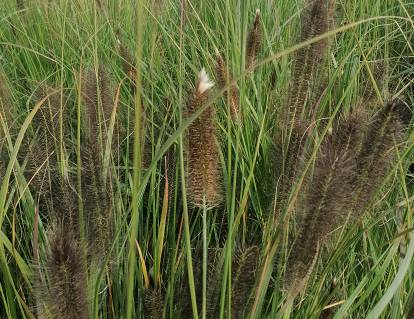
204,82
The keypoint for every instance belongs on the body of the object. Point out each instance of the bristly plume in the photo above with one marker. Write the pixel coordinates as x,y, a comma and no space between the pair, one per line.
66,293
231,95
378,149
153,303
254,40
42,153
202,154
325,201
350,166
98,101
244,270
308,60
96,190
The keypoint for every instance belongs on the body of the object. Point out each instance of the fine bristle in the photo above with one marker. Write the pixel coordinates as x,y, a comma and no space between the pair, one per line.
67,293
20,4
204,82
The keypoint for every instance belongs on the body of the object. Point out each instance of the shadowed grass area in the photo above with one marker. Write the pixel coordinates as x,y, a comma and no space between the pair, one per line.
206,159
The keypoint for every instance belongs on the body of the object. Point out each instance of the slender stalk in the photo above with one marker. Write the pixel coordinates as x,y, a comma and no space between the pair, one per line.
136,161
205,252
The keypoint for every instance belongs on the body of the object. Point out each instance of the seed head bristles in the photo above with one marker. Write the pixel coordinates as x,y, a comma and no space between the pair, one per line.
42,153
304,262
96,190
377,154
224,77
153,303
308,60
244,268
254,39
66,294
202,153
323,205
97,201
98,103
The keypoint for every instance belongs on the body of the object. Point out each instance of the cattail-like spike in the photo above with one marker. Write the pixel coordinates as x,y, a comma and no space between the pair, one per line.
203,175
153,303
293,137
244,269
308,60
254,40
66,295
224,77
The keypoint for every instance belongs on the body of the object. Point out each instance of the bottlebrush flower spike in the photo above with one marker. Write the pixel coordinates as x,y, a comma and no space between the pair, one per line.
202,153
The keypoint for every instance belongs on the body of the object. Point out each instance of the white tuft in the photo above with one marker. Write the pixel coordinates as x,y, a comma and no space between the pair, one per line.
257,12
204,83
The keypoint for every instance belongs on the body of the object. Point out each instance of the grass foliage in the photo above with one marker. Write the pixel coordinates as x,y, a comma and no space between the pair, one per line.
206,159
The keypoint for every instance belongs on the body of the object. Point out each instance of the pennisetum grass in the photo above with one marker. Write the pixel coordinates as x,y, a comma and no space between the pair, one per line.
330,160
